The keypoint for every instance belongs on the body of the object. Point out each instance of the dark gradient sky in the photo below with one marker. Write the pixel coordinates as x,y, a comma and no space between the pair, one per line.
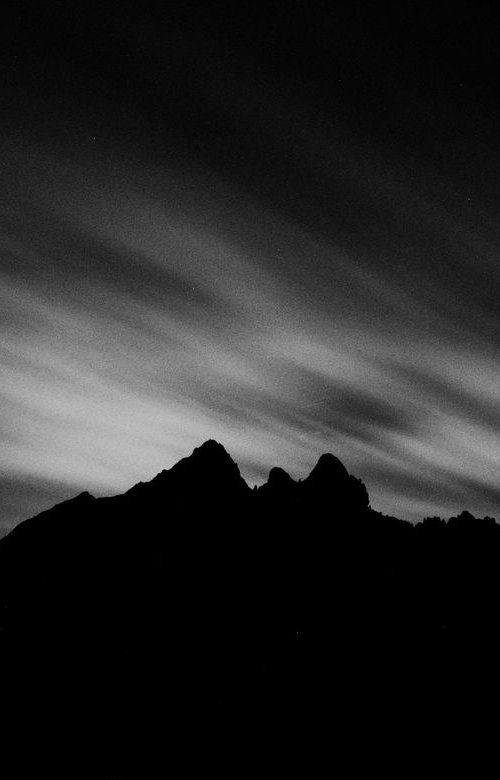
275,225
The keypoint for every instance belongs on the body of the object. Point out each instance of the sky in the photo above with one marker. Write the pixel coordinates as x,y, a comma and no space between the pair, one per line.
273,225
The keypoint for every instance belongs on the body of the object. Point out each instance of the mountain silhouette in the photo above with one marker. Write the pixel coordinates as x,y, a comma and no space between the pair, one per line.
194,611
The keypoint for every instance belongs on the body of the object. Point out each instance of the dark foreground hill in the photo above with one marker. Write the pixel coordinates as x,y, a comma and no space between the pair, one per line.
195,625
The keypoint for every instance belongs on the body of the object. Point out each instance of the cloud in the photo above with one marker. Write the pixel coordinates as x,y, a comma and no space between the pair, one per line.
139,320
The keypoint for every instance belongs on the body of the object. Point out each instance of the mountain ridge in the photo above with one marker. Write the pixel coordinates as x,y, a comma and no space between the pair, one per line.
192,607
210,461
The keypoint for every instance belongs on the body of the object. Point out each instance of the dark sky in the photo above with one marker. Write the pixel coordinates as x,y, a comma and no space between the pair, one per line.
275,225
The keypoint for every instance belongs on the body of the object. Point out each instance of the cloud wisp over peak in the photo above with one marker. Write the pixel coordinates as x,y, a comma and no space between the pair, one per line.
212,244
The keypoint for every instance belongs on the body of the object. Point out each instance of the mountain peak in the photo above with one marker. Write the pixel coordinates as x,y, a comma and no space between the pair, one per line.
208,471
327,469
278,477
211,448
211,466
212,456
330,477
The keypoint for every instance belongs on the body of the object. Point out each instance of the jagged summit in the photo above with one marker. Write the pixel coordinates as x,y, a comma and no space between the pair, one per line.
279,485
330,480
278,477
211,449
208,470
327,470
211,445
210,460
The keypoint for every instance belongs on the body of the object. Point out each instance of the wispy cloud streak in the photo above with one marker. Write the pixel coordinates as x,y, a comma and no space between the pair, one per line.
135,324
